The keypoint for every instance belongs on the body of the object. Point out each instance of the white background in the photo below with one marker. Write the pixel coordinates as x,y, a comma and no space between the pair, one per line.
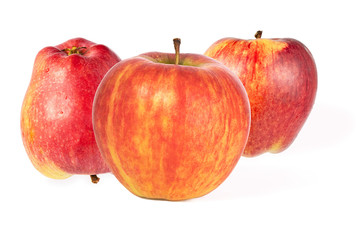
310,191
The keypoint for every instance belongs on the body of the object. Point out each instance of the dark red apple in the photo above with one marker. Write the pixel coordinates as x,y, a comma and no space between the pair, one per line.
280,78
56,116
171,126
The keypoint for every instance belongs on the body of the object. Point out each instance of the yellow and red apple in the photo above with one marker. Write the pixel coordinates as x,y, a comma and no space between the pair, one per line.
171,126
56,115
280,78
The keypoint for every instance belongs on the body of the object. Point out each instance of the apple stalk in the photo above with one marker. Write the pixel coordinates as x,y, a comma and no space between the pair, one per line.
258,34
176,42
94,179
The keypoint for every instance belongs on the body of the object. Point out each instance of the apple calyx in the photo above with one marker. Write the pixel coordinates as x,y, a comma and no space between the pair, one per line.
94,179
74,50
258,34
176,42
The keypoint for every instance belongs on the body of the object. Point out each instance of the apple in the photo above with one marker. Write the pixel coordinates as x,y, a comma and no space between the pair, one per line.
280,78
56,115
171,126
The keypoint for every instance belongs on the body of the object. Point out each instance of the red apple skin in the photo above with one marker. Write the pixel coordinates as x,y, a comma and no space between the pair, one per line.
169,131
56,115
280,78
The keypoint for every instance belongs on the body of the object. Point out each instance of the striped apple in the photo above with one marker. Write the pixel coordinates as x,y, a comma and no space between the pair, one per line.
280,78
171,126
56,114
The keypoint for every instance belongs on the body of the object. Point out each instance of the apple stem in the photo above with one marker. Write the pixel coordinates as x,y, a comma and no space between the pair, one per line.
74,50
258,34
94,179
176,42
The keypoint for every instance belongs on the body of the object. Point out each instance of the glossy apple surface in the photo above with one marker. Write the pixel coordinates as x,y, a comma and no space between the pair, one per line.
171,131
280,78
56,114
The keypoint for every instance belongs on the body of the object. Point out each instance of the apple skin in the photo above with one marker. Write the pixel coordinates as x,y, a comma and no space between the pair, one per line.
280,78
56,114
168,131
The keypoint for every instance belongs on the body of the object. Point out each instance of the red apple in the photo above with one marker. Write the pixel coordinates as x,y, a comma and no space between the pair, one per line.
280,79
171,126
56,116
